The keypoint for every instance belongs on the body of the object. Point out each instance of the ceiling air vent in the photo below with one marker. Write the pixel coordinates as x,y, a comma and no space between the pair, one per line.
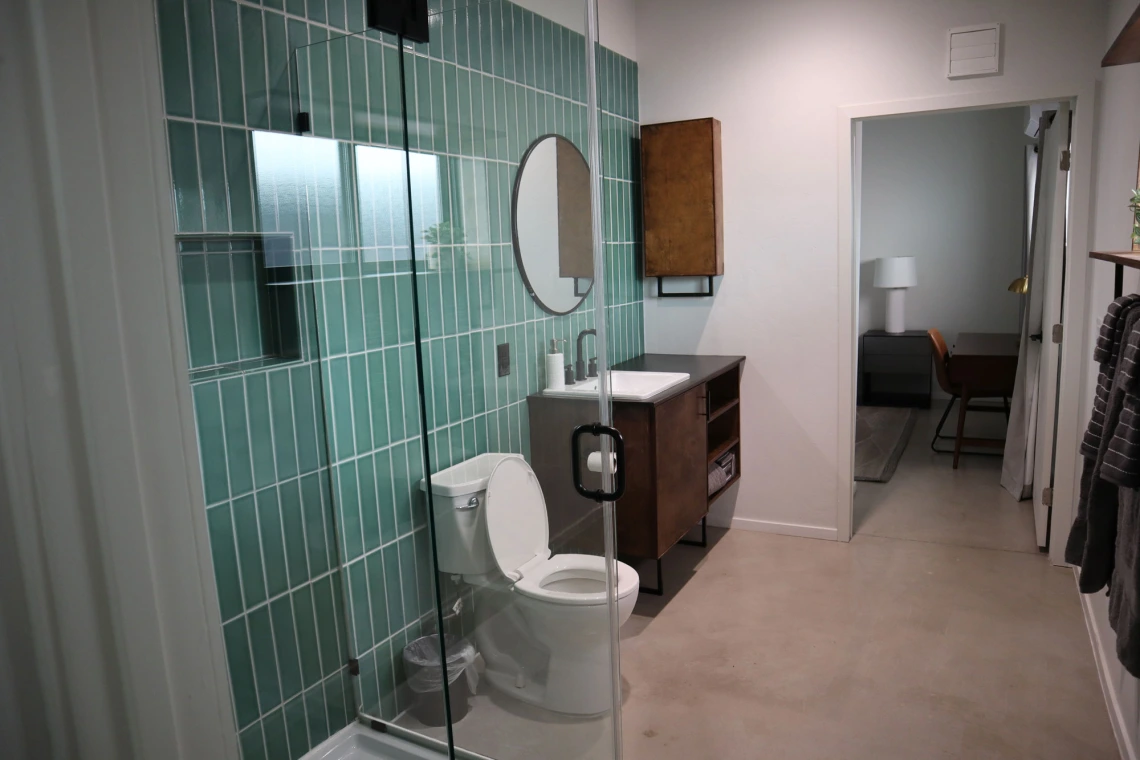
974,51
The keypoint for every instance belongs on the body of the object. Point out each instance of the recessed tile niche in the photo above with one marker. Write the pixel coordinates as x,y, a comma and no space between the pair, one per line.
242,299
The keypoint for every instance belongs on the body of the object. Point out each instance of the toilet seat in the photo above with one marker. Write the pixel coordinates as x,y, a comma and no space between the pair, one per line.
519,533
574,579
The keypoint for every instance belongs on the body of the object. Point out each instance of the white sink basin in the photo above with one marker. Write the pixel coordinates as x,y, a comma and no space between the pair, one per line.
625,386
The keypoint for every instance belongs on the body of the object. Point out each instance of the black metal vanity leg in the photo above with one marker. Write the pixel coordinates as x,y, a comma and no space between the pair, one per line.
660,590
704,542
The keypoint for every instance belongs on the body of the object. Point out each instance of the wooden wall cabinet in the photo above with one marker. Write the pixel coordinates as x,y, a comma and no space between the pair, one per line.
682,199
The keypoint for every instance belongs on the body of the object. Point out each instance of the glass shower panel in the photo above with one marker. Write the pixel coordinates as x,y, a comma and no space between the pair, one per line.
357,204
502,213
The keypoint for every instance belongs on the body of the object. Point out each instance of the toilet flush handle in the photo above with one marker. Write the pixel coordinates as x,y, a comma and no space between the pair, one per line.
472,503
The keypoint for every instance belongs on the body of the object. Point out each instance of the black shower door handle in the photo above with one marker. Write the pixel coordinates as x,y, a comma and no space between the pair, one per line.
598,429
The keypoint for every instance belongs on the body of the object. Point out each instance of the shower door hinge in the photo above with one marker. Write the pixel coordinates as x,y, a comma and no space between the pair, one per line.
304,123
1065,160
353,666
1047,496
1058,333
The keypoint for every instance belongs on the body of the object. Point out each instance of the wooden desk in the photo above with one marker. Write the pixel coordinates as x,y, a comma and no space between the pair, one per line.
982,365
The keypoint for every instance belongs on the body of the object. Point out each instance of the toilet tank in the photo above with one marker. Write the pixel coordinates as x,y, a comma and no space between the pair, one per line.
458,493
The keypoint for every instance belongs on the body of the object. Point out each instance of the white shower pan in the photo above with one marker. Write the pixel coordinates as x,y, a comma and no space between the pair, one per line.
358,742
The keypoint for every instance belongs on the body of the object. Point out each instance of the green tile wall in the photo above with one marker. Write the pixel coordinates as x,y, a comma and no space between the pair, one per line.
311,464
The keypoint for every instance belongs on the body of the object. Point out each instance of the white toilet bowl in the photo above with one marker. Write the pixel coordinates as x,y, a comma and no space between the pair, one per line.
543,621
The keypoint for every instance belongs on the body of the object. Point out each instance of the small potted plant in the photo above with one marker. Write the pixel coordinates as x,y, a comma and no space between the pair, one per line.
443,233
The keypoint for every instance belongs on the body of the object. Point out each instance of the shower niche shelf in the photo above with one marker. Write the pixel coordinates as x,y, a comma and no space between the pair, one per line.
243,300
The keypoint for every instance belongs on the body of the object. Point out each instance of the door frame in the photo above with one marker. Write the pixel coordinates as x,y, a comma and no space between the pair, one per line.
1081,97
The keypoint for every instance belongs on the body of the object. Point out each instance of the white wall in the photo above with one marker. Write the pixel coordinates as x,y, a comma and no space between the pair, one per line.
615,20
1118,144
775,74
947,189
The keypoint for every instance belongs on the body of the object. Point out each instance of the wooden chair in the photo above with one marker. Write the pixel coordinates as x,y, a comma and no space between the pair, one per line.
942,370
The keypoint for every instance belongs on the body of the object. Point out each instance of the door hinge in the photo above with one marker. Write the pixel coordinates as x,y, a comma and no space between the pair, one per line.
1058,333
353,666
1047,496
1065,160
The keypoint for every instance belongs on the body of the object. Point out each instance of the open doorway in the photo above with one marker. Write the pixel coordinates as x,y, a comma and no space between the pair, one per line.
959,228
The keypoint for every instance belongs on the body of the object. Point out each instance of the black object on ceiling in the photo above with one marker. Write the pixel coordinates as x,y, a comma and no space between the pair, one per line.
407,18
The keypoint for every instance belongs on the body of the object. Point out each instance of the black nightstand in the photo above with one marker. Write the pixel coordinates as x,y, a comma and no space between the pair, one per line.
895,369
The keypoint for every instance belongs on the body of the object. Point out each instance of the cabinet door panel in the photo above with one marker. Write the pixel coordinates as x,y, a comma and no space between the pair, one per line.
682,470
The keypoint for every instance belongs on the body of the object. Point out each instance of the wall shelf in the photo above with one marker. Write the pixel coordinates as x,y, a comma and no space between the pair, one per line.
1126,47
1121,259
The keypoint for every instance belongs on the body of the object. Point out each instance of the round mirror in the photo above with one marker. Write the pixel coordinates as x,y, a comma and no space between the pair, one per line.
552,224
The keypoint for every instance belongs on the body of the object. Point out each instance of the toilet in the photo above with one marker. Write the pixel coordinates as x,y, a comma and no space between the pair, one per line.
542,622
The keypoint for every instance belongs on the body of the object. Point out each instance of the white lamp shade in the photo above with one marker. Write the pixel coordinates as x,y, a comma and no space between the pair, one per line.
895,272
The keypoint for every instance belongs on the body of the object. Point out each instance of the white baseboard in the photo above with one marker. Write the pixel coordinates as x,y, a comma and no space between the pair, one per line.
783,529
1103,658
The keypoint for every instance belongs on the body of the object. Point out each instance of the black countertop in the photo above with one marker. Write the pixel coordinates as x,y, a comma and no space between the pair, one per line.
701,369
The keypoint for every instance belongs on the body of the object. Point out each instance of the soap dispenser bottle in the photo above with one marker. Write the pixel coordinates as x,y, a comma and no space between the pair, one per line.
555,380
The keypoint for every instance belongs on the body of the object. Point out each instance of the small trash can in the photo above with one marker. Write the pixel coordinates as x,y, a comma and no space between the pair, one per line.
424,671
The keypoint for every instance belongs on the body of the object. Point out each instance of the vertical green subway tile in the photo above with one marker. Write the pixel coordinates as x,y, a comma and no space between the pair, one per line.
272,542
305,625
319,84
224,554
222,307
285,639
338,70
401,488
296,727
249,550
293,526
353,308
252,743
369,514
203,71
247,310
408,578
394,394
175,61
361,414
276,742
336,14
339,391
382,462
396,617
260,429
211,442
253,68
392,102
358,87
378,605
277,67
313,508
310,435
196,301
184,176
240,666
281,406
317,11
237,435
348,506
360,617
264,659
374,62
326,625
315,704
379,403
228,46
411,390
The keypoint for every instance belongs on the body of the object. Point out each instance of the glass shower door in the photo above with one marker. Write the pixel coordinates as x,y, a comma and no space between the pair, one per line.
505,219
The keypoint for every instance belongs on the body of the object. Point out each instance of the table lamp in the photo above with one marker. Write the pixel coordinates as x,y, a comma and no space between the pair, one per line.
896,274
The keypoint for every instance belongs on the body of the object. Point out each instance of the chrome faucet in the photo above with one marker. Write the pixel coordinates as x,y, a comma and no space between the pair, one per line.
579,364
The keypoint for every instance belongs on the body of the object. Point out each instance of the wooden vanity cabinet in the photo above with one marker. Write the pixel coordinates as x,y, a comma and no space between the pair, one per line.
670,442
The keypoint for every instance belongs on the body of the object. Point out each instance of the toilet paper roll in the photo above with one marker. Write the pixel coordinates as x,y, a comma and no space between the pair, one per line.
594,462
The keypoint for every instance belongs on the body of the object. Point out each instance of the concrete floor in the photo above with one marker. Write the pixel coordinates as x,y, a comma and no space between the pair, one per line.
938,632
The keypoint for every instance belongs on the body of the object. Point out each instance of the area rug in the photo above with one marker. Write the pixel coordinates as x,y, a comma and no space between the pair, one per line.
881,435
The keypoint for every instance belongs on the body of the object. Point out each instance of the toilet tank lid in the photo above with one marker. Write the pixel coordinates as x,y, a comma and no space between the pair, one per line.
469,476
